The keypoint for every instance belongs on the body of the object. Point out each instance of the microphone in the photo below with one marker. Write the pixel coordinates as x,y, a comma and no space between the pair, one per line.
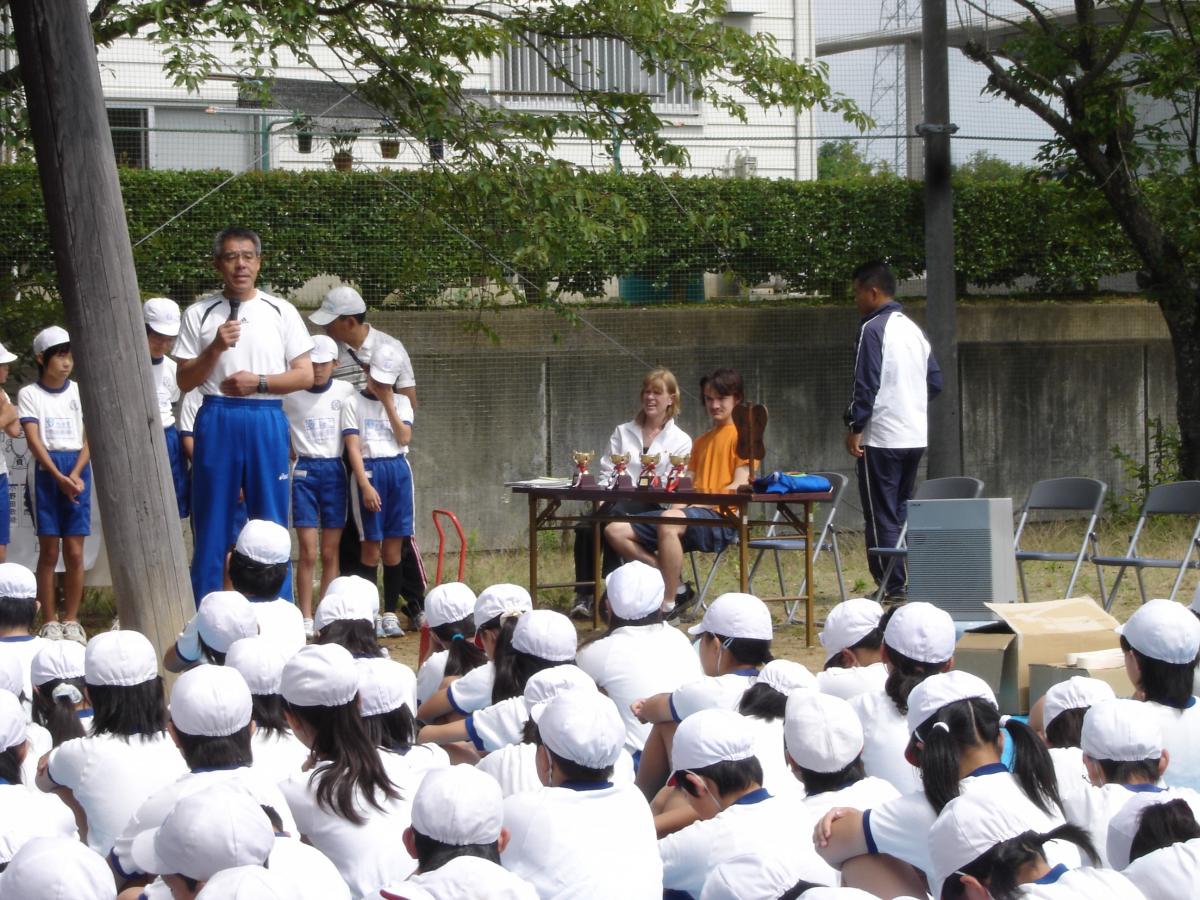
233,313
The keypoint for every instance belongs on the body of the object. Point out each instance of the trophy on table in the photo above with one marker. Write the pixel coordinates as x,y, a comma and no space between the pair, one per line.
649,478
621,480
582,477
677,478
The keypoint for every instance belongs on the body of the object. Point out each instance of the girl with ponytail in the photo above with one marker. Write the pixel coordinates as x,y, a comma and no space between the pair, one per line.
1163,838
448,612
60,703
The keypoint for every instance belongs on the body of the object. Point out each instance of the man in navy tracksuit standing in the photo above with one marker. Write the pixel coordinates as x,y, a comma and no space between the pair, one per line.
895,377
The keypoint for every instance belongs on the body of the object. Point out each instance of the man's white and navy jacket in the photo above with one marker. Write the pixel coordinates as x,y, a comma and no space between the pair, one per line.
895,377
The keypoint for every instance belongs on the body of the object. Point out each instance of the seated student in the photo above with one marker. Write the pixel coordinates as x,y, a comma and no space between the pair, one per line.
60,703
918,641
386,697
1160,840
221,618
277,752
554,831
765,705
127,756
40,740
640,655
852,638
716,468
18,612
985,845
448,613
258,569
497,611
1161,641
777,878
58,867
10,425
1057,717
457,836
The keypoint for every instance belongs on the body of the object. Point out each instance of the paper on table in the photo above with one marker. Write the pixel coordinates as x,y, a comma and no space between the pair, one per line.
545,481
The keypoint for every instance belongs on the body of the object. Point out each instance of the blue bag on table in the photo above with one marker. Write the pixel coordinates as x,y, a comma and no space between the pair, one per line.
792,483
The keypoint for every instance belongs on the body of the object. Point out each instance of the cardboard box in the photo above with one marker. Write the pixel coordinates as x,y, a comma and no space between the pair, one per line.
1043,676
1028,633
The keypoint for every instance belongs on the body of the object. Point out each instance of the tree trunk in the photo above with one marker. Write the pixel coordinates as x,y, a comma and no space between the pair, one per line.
1179,310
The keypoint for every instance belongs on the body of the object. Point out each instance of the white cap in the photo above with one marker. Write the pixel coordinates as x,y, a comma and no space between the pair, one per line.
760,876
385,685
325,350
57,660
248,883
848,623
822,733
450,602
343,300
12,721
973,823
635,590
459,805
320,675
120,658
544,686
736,616
343,607
50,337
56,868
941,690
224,617
922,632
12,674
162,315
1163,630
265,542
6,356
206,832
785,676
501,600
259,661
1077,692
1124,824
17,582
711,736
356,586
385,365
546,634
1121,730
212,701
584,727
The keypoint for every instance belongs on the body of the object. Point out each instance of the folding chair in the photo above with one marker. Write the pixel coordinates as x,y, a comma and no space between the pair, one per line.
953,487
1179,498
1079,494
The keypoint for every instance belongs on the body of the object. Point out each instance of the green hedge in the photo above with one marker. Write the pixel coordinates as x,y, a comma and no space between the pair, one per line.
417,233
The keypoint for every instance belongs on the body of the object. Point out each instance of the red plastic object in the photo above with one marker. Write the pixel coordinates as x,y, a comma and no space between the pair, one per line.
426,643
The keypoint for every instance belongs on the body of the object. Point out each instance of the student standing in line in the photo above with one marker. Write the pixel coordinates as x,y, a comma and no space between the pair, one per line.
162,318
10,424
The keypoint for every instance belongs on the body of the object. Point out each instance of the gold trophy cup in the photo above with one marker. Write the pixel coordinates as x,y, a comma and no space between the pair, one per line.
677,478
621,480
649,478
582,477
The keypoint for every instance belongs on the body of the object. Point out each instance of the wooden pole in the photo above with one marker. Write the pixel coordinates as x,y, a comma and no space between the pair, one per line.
96,277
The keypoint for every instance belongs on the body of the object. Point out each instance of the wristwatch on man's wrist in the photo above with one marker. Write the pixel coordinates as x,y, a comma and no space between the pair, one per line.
263,387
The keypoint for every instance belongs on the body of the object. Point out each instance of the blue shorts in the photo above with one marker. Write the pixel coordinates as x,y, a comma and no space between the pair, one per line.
319,489
179,472
6,513
392,479
54,515
703,538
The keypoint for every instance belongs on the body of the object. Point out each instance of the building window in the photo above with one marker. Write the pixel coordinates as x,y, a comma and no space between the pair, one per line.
129,136
595,64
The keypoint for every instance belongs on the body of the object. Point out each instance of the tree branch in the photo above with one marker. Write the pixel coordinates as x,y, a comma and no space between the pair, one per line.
1016,91
1102,65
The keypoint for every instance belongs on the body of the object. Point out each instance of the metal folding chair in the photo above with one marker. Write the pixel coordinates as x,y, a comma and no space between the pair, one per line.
1078,494
953,487
1179,498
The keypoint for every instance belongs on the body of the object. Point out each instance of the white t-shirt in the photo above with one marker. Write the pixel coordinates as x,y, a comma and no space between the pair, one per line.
639,661
309,873
365,417
849,683
515,768
769,750
40,743
25,815
711,692
4,457
277,756
885,737
472,878
273,334
24,648
1165,872
474,690
627,438
166,388
56,413
1181,739
1070,772
1084,884
351,363
315,420
281,623
112,776
862,794
188,409
430,675
556,833
498,725
1093,808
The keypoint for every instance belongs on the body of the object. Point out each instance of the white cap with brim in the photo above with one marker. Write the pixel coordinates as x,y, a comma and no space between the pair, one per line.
50,337
544,686
224,617
709,737
325,350
634,590
54,868
501,600
822,733
260,663
6,356
547,635
119,658
785,676
340,301
12,721
204,833
385,365
583,727
57,661
459,805
264,542
736,615
343,607
1121,730
320,675
357,586
922,632
253,883
161,315
1077,692
941,690
449,602
848,623
1164,630
385,685
17,582
211,701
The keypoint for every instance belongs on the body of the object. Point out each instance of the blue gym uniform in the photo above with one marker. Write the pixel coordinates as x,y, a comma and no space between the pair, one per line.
319,492
57,415
179,471
319,485
386,463
6,516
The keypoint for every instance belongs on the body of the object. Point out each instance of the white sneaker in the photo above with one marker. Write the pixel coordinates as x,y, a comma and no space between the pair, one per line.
52,631
73,631
379,632
391,626
308,629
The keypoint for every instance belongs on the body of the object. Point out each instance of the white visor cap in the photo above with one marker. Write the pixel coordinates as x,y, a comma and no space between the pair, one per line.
325,350
340,301
450,602
161,314
1164,630
822,733
848,623
736,615
922,632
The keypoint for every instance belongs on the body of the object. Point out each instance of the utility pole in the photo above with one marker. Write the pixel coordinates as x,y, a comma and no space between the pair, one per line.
96,277
945,435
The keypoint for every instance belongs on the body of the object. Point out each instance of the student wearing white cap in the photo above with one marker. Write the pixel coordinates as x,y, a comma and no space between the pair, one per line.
277,752
497,611
355,802
852,637
162,318
765,705
57,868
714,764
985,845
750,877
258,569
10,424
320,489
449,614
1057,717
221,618
1156,841
1161,641
640,655
60,703
347,615
581,833
18,612
386,699
918,641
128,755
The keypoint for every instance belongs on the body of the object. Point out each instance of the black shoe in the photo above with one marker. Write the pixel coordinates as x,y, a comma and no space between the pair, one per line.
897,597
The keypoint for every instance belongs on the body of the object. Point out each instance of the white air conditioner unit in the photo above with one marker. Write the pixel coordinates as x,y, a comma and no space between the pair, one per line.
960,555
